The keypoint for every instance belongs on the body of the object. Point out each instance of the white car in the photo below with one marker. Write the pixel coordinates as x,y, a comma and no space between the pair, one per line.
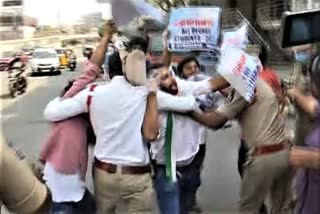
45,59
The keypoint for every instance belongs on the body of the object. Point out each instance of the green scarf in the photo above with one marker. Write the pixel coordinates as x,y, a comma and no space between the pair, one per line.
169,150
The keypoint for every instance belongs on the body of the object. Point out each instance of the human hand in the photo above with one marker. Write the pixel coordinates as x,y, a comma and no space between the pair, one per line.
153,84
291,93
304,158
110,28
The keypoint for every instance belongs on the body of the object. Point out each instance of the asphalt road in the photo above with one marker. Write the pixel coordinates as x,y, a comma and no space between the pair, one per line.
23,124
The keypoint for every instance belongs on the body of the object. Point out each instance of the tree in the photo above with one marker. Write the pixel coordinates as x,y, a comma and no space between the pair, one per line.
166,5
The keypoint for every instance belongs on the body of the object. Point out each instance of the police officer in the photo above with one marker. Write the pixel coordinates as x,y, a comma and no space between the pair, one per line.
20,190
267,168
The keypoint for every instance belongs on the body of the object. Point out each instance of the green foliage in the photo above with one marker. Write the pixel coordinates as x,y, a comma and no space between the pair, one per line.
166,5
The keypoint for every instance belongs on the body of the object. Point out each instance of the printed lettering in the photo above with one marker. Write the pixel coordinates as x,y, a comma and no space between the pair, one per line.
240,65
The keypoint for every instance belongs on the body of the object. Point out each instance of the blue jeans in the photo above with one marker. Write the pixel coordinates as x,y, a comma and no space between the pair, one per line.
167,193
179,197
85,206
191,179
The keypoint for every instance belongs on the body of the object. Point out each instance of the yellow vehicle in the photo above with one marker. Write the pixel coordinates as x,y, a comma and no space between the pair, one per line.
63,57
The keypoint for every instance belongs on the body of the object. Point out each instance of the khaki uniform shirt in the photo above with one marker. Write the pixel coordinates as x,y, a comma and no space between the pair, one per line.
20,190
260,121
303,123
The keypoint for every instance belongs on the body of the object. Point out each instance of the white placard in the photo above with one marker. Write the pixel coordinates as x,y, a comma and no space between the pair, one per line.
194,28
240,70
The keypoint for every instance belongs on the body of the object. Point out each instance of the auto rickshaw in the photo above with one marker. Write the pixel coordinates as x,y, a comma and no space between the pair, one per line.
63,57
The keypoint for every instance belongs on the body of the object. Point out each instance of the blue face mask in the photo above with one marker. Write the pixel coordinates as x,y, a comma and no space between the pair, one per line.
302,57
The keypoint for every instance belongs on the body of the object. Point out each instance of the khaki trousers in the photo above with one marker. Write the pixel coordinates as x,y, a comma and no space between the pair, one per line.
267,174
112,188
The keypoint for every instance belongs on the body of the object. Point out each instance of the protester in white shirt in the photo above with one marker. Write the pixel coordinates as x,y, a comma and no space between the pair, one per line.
192,143
189,69
179,150
117,112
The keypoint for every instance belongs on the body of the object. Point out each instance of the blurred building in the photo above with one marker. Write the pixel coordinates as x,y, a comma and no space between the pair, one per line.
13,23
89,23
92,20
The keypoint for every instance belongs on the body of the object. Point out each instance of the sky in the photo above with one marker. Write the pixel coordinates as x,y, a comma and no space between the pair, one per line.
46,11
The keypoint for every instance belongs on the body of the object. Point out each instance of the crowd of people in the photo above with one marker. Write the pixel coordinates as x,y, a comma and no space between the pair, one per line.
149,125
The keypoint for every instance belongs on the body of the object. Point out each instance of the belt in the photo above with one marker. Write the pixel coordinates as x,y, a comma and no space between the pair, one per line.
268,149
112,168
178,168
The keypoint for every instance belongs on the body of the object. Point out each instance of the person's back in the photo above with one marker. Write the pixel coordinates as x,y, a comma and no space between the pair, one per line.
117,113
268,126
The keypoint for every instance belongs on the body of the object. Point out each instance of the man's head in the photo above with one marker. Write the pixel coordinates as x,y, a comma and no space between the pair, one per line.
189,66
140,43
115,65
168,82
134,61
304,54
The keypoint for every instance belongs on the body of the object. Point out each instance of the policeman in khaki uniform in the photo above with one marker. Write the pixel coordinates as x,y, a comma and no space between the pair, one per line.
20,190
267,169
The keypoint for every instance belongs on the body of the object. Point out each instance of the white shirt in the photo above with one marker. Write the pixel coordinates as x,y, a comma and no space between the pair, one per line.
186,132
63,188
211,100
117,113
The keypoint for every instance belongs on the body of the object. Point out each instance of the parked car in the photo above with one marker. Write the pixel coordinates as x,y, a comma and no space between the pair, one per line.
45,59
6,58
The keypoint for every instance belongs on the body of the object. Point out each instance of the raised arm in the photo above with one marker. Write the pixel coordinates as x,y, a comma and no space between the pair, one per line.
168,102
151,124
61,109
93,69
166,55
202,87
232,107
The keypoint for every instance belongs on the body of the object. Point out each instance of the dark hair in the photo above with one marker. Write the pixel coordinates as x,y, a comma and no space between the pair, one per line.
67,87
152,66
184,62
264,55
115,65
140,42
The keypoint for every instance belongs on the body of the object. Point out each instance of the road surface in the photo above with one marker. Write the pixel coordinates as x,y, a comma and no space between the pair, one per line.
23,123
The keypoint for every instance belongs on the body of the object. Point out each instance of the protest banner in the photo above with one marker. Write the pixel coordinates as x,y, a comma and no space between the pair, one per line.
194,28
235,38
240,70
